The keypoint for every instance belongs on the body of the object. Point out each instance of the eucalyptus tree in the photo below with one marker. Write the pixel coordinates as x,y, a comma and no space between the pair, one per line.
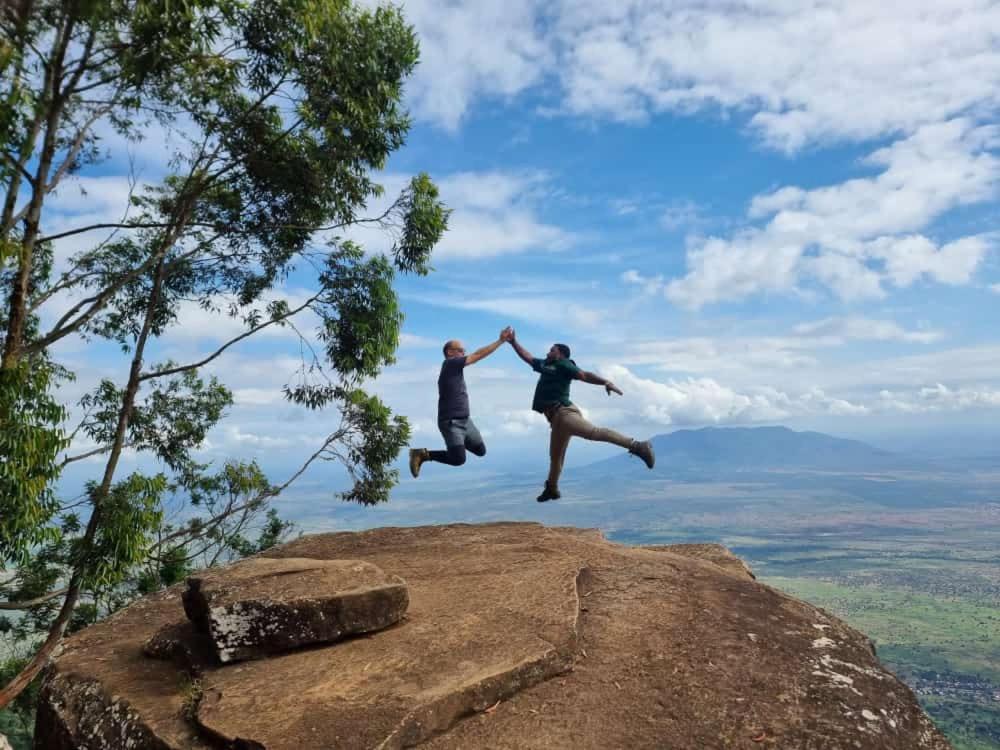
281,115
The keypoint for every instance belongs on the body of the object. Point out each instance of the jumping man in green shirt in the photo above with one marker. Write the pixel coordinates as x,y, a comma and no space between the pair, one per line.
556,372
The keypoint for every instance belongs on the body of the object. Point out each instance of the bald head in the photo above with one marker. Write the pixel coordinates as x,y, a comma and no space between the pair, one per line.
453,348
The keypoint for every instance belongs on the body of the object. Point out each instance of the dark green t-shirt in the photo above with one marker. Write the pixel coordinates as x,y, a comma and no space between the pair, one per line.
553,385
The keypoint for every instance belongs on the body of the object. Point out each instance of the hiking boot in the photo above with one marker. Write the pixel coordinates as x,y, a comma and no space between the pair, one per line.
417,458
643,450
548,494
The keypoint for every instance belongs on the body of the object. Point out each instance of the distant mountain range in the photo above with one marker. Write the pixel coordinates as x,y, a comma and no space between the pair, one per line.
722,450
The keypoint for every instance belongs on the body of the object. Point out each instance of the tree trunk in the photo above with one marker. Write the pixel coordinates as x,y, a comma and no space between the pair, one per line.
18,309
41,658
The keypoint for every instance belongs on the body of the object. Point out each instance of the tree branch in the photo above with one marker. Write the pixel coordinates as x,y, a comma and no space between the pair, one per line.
74,149
221,349
29,603
261,496
18,166
118,225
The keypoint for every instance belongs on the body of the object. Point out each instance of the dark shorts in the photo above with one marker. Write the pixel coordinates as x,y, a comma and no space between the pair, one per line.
461,433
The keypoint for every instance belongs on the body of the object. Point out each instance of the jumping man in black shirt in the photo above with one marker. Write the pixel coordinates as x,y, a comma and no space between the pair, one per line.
459,432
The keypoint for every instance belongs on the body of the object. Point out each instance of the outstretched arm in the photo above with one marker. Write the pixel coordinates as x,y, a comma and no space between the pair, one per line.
589,377
521,351
487,350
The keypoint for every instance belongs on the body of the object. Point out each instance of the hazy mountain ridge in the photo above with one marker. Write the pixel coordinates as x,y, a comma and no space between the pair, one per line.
749,449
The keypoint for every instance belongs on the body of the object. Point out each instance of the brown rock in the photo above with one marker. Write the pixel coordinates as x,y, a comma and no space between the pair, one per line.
517,636
182,644
713,553
264,606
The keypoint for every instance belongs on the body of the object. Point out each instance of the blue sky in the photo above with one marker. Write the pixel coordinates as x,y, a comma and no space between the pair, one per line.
777,213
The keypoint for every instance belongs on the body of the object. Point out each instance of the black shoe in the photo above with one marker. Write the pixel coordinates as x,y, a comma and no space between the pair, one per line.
643,450
548,494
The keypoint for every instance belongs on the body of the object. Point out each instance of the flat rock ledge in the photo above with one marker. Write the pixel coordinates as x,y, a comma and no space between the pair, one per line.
517,636
263,606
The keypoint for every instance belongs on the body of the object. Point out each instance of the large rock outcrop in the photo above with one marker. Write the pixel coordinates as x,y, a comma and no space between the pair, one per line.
517,636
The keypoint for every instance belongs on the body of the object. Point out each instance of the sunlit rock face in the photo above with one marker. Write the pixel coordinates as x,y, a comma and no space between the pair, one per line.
515,636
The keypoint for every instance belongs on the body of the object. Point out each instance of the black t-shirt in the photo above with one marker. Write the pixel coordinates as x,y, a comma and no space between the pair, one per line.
453,399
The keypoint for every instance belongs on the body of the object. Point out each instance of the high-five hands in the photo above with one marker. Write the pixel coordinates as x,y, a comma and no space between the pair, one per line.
507,334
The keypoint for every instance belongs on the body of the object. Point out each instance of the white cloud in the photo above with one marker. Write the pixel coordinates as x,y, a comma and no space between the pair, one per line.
702,401
858,236
706,401
413,341
838,330
995,288
495,213
805,71
548,312
808,70
522,422
938,398
648,284
490,48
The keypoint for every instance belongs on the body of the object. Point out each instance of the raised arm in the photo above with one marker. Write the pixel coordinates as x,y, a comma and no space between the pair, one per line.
487,350
589,377
521,351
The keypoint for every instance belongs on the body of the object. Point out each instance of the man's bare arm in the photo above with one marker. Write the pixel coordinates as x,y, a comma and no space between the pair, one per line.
521,351
483,352
589,377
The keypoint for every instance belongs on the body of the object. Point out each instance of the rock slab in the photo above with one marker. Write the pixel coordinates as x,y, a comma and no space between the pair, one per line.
264,606
518,637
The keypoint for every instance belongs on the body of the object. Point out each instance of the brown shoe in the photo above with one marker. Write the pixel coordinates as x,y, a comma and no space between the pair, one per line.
643,450
417,458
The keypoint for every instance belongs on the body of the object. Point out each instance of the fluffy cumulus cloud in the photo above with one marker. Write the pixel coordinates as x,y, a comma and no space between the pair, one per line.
485,49
860,236
808,73
705,401
805,71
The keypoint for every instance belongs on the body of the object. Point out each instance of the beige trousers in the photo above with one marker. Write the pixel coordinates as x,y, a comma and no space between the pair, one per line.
567,422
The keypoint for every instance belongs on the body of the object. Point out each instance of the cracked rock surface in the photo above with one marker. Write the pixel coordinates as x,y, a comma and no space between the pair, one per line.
264,606
517,636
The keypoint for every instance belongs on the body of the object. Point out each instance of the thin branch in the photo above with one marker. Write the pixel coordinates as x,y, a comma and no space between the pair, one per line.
29,603
221,349
64,326
87,454
118,225
74,148
19,167
266,494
